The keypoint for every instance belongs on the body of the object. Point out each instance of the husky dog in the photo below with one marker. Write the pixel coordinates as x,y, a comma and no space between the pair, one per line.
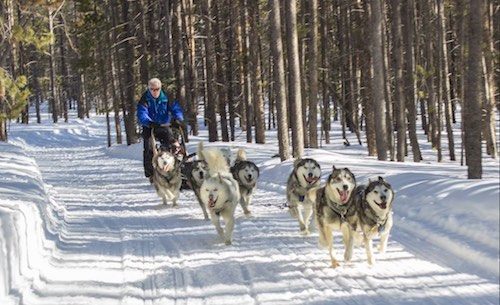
246,173
335,210
219,192
166,174
196,172
374,211
306,174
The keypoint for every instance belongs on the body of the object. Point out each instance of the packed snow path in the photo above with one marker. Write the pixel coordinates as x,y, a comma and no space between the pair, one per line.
115,244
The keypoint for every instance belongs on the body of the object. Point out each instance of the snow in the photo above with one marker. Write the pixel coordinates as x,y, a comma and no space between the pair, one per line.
79,224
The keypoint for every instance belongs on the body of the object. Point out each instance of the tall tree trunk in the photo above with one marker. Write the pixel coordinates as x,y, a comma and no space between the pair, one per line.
295,96
491,87
192,71
54,101
443,51
387,87
220,76
398,80
210,107
313,73
325,115
130,119
255,73
409,78
230,17
378,79
64,70
429,70
472,102
279,78
178,56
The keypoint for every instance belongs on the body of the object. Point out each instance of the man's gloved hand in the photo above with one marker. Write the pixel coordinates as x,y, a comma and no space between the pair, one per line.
154,125
177,123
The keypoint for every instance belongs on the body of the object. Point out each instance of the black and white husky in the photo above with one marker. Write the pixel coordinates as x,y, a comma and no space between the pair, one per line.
335,211
196,172
374,211
219,192
306,174
167,178
246,173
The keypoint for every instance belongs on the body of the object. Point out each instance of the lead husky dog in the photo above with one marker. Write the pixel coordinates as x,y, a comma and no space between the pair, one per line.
335,210
374,210
219,192
196,172
306,174
246,173
167,178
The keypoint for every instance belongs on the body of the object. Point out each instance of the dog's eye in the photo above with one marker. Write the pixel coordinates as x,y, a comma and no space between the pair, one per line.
386,190
215,190
376,192
338,179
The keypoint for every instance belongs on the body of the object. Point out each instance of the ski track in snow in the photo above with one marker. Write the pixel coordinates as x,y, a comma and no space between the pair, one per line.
115,244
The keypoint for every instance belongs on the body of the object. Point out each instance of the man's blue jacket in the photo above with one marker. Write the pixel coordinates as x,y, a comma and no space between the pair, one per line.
159,110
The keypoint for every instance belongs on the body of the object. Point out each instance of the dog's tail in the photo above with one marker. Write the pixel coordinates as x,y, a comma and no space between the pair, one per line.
214,158
241,155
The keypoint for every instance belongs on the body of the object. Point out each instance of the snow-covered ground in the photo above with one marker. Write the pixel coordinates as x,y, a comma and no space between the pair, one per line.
79,224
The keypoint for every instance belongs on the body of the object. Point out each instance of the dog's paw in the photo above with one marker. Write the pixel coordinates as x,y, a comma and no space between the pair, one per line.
228,242
248,213
335,264
305,232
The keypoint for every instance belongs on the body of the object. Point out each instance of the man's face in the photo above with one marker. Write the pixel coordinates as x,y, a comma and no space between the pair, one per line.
155,91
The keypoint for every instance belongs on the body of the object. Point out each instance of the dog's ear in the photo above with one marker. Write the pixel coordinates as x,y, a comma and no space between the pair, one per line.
296,162
380,179
333,168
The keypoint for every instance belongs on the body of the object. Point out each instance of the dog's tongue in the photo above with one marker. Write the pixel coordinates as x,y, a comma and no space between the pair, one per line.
383,205
211,203
166,168
344,195
311,179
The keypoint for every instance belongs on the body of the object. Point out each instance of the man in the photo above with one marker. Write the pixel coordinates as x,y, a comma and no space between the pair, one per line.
156,113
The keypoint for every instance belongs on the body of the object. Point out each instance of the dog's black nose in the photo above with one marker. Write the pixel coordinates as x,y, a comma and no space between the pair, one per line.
383,197
310,175
345,187
250,177
201,175
211,197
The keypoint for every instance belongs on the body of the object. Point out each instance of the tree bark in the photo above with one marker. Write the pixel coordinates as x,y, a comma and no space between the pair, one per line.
279,78
378,79
211,104
472,102
409,78
295,96
255,74
313,73
443,52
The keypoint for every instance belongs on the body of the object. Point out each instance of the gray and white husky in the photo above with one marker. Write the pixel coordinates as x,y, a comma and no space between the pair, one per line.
335,211
306,174
196,172
246,173
167,178
219,192
374,211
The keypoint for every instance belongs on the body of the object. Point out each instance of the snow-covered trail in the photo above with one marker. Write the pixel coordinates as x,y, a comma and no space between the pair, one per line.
115,244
